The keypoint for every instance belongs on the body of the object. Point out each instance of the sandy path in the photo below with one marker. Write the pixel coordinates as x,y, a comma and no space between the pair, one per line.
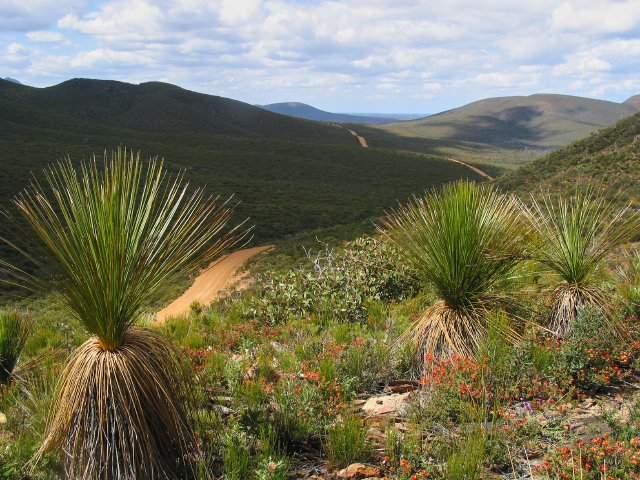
219,275
482,173
360,138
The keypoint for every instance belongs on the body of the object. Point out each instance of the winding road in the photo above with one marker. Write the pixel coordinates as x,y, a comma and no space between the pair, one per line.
482,173
361,139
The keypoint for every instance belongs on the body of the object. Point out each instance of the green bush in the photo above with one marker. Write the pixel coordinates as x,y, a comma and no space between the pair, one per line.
597,356
26,406
334,285
298,412
629,282
237,457
14,330
466,460
347,442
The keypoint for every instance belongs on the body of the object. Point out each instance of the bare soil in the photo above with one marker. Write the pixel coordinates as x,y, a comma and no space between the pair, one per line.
217,277
361,139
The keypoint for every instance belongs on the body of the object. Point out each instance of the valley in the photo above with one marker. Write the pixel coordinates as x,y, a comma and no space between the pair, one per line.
372,335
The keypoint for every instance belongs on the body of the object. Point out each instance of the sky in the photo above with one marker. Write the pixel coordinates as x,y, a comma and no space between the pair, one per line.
383,56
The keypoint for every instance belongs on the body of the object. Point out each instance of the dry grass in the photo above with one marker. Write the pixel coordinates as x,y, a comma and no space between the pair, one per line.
119,414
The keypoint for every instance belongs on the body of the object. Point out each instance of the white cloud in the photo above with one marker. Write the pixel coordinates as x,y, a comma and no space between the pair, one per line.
598,16
27,15
339,54
45,36
106,57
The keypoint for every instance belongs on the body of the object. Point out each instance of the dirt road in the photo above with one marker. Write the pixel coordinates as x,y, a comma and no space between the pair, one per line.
361,139
482,173
220,275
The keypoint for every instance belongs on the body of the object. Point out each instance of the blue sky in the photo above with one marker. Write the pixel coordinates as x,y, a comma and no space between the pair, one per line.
343,56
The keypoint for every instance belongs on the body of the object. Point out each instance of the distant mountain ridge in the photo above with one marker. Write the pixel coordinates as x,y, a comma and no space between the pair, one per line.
12,80
302,110
516,126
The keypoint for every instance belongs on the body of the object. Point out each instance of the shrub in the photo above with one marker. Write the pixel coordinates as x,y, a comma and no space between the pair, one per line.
300,410
601,457
334,285
14,331
573,237
467,457
26,406
465,242
347,441
237,456
595,357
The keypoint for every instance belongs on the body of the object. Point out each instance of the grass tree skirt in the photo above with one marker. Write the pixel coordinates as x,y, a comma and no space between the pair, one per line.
119,414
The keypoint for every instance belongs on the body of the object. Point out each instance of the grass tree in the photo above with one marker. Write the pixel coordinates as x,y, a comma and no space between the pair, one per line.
14,330
629,281
464,241
121,234
573,238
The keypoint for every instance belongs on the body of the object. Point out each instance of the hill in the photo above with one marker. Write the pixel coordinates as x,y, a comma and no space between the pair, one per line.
510,130
633,102
162,107
289,175
302,110
608,159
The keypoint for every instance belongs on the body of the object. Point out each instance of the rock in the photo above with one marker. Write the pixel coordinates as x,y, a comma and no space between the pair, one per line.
359,471
222,410
3,418
396,403
401,386
221,400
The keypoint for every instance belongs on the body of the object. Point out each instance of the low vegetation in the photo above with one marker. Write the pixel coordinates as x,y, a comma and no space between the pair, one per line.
290,177
14,330
311,372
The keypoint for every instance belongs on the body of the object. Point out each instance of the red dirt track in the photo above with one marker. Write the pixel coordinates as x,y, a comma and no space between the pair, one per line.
220,275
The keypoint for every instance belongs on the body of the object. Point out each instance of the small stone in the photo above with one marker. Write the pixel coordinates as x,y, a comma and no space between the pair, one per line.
401,387
382,410
396,403
358,471
3,418
222,410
